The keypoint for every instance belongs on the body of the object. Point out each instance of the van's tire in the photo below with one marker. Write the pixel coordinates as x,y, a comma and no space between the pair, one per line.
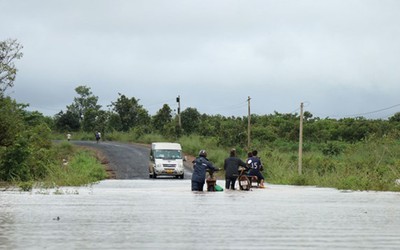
182,176
154,175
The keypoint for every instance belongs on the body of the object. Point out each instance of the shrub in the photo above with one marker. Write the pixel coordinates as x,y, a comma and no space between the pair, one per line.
332,148
13,164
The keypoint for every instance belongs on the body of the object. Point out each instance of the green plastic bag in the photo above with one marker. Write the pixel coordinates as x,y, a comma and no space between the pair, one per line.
218,188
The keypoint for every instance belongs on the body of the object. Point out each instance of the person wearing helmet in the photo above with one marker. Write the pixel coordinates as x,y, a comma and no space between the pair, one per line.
200,166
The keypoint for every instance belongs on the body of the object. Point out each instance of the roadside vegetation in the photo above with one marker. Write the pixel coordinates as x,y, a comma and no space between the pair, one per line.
77,167
347,153
369,164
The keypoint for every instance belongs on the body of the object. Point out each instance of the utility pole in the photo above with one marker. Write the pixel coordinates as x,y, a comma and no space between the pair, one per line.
178,100
301,139
248,124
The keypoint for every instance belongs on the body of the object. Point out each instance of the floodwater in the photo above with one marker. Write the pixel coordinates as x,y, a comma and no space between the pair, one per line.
165,214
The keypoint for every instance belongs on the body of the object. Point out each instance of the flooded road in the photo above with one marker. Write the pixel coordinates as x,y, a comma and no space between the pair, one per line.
165,214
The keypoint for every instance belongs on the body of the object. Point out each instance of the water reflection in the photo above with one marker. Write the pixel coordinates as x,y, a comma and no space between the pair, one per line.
155,214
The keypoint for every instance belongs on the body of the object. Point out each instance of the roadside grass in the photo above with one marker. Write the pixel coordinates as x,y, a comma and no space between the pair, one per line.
367,165
82,169
71,166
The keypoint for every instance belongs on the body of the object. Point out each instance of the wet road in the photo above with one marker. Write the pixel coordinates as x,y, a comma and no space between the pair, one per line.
165,214
128,161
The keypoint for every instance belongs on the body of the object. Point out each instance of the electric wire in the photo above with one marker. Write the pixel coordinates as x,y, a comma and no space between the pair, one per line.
363,114
373,112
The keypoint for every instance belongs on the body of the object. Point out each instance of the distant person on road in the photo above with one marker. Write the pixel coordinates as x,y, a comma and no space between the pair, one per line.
200,166
68,136
98,136
255,165
231,167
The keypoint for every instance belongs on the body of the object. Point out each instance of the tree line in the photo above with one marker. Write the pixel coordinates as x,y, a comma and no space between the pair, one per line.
127,114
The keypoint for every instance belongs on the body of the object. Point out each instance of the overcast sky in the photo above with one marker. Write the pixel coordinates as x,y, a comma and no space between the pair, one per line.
340,57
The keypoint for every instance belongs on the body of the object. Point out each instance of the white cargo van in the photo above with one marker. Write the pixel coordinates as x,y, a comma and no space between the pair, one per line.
166,159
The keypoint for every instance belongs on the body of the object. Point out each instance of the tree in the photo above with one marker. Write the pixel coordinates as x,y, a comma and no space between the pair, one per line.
307,116
102,119
11,121
131,114
24,142
162,118
114,122
24,136
85,107
190,118
209,125
9,51
143,119
232,133
67,121
395,117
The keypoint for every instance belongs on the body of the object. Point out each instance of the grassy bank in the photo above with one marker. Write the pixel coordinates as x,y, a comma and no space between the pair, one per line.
71,166
79,167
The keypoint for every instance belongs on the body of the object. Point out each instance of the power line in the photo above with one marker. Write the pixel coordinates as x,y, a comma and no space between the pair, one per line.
375,111
360,114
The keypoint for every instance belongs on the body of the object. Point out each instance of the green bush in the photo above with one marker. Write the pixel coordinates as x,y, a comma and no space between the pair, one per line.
13,163
332,148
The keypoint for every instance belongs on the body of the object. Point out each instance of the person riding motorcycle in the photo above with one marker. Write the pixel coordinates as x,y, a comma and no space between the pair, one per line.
255,165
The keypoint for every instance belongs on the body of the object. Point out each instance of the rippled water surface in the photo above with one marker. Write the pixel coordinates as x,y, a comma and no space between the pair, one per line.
165,214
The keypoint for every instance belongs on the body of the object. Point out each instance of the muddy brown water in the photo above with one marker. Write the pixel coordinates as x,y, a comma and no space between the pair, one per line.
165,214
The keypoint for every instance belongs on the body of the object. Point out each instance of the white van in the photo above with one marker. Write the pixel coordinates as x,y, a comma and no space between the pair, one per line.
166,159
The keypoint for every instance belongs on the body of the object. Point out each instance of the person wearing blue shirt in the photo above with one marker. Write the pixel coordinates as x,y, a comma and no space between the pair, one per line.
255,165
200,166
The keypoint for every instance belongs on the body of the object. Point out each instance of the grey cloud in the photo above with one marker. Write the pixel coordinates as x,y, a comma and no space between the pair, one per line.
278,52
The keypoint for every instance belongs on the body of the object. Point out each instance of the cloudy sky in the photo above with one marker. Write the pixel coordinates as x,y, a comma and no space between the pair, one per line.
340,57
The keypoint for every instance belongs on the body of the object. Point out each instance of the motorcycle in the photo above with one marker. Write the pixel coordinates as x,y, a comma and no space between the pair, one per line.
246,181
211,181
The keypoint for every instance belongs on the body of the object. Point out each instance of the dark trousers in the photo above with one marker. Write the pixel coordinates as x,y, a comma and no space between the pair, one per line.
230,182
197,186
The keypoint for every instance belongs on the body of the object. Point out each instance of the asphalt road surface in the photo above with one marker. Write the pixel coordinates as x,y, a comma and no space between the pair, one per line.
127,161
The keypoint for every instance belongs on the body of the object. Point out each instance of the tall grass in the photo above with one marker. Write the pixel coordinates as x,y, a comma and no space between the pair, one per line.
83,169
73,167
367,165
